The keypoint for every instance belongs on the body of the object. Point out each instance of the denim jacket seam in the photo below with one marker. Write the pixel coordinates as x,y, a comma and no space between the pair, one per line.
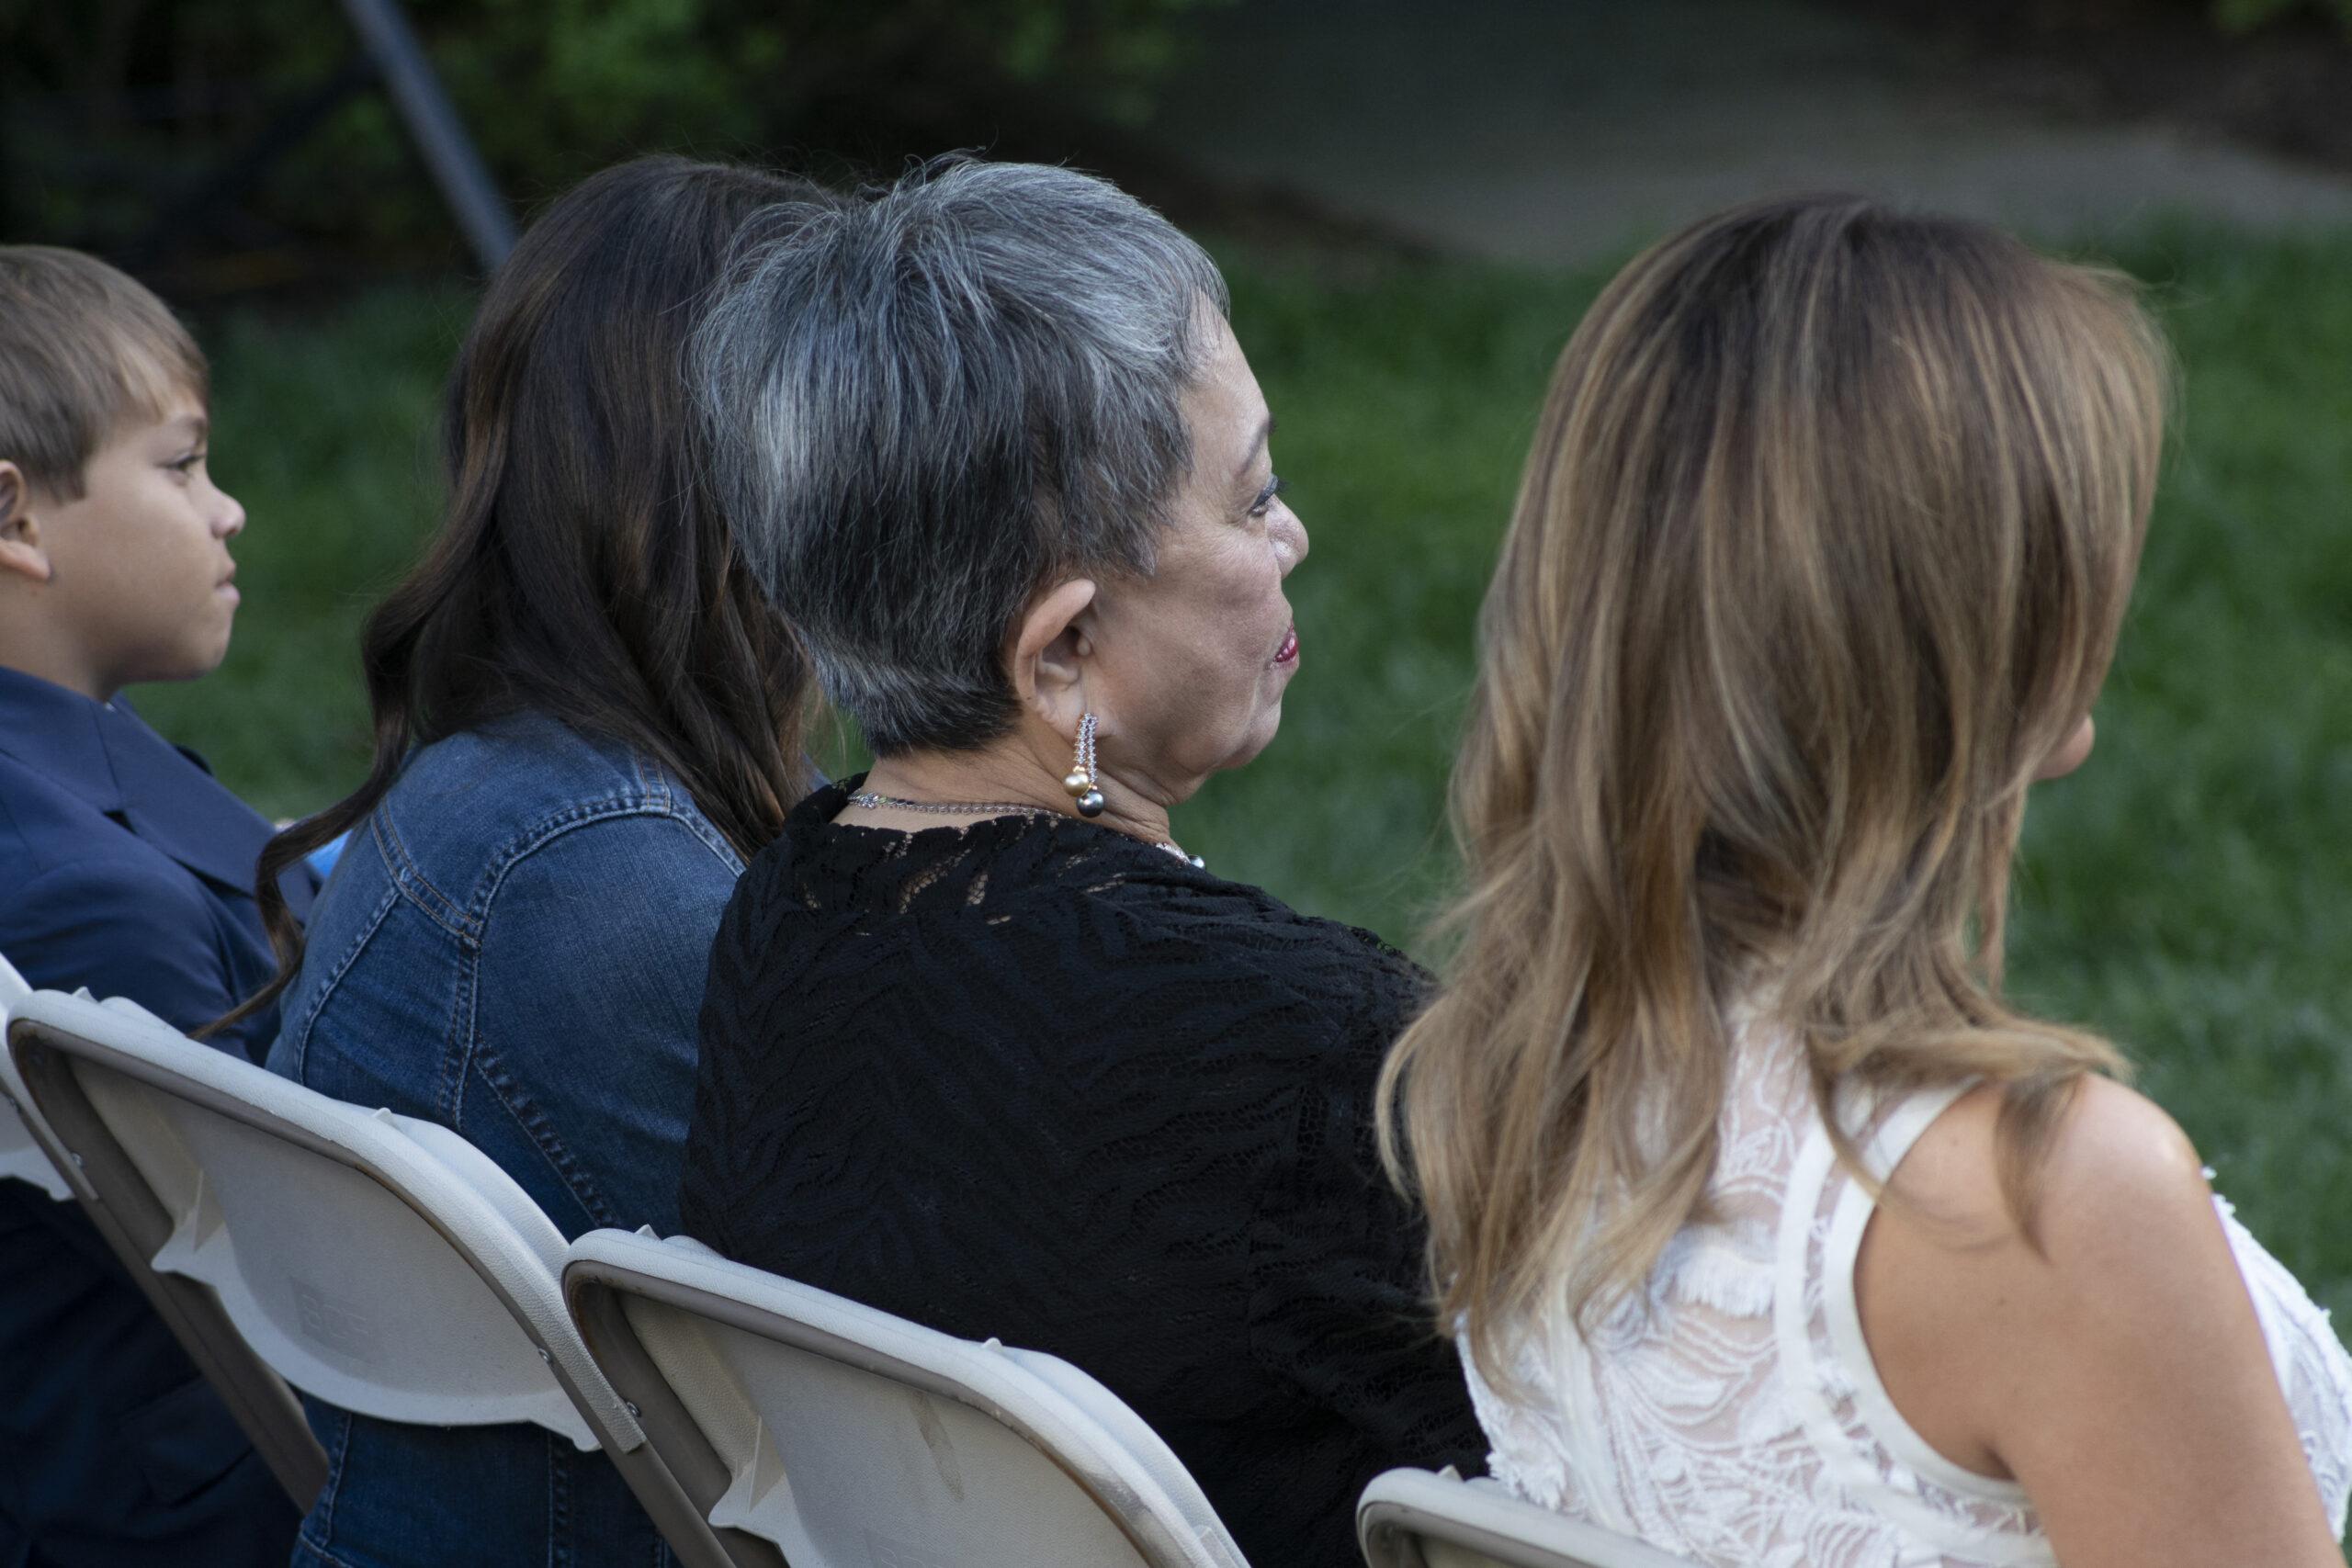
412,881
675,804
583,814
458,1046
300,1033
322,1554
652,779
544,829
322,1508
701,828
503,1088
663,793
475,1054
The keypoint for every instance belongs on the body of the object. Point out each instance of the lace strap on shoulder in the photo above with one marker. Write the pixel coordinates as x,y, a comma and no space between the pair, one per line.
2315,1372
1865,1443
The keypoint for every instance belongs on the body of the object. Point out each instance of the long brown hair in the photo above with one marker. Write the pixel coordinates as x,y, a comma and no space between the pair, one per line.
1822,550
584,570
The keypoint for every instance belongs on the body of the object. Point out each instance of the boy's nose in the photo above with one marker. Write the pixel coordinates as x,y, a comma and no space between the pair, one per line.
230,521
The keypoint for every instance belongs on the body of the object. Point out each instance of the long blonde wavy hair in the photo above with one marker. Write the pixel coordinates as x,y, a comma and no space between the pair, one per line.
1821,548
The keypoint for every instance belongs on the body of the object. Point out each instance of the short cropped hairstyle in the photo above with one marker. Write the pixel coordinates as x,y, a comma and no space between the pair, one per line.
83,349
926,399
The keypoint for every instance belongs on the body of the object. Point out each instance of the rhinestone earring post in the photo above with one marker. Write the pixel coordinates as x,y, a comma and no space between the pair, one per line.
1079,780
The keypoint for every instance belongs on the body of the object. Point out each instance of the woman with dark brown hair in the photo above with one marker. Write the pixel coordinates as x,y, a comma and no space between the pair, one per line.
587,719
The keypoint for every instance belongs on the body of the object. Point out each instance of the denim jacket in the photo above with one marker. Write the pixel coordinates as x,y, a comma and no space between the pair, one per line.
513,946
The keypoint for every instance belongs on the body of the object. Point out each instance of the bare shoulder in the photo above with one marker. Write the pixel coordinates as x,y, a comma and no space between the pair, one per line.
2111,1362
2122,1209
2120,1180
1966,1315
2115,1164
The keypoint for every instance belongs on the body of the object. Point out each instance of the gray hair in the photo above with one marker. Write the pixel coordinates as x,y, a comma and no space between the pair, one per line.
925,400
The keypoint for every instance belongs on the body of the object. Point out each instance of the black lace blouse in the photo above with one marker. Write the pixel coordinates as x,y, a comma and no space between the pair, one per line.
1038,1080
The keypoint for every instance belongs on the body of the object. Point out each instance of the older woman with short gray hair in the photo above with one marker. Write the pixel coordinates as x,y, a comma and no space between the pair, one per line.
983,1046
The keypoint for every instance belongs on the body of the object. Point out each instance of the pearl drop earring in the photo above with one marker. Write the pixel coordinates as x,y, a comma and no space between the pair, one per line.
1079,780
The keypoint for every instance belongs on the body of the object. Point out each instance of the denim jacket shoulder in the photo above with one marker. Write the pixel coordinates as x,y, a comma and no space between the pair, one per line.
513,946
467,809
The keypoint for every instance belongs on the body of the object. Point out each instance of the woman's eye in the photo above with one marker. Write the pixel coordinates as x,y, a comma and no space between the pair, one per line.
1265,500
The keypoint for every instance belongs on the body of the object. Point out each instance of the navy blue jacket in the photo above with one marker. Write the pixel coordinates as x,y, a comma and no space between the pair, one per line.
127,868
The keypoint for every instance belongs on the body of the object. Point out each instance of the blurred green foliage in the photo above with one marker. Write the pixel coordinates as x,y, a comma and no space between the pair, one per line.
2244,15
551,89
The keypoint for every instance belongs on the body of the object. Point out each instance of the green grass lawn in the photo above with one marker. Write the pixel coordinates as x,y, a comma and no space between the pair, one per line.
2189,893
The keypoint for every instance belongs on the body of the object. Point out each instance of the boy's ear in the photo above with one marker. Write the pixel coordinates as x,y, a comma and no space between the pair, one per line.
1050,647
21,550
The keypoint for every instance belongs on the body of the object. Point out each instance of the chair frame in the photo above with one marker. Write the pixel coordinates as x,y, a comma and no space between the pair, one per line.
1402,1507
675,1445
596,1288
14,992
136,1222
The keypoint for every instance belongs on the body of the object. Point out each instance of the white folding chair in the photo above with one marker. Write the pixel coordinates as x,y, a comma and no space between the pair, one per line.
1422,1518
851,1439
20,1154
382,1264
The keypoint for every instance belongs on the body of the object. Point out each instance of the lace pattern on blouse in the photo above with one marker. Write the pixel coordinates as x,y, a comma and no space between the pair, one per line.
1730,1410
2314,1370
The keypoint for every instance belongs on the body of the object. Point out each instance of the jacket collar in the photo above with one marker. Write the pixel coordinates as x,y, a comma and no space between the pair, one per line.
105,754
55,733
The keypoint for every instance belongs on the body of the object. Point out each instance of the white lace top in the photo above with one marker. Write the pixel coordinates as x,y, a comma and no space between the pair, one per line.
1731,1412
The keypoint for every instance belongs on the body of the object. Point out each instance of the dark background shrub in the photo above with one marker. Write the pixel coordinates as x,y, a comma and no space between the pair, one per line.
114,109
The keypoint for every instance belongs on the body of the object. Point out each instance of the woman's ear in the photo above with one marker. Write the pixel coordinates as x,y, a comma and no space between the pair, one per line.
21,551
2071,752
1050,649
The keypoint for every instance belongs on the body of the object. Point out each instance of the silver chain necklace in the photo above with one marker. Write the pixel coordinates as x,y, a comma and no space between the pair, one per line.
872,801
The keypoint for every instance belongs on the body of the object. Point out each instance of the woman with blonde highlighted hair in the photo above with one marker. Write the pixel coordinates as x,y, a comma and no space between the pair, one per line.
1772,1232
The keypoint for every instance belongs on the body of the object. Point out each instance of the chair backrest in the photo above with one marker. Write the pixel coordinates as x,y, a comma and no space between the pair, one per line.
847,1436
20,1154
380,1263
1421,1518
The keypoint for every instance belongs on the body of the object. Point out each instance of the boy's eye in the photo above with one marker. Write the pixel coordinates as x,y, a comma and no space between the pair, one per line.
186,464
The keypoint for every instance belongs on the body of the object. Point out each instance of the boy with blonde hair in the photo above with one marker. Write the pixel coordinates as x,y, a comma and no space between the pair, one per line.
126,868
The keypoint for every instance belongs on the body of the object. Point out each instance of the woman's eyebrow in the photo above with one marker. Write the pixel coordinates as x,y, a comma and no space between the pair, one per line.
1257,445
